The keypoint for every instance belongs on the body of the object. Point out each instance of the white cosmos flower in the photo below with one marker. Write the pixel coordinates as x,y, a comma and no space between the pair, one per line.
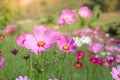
78,41
86,39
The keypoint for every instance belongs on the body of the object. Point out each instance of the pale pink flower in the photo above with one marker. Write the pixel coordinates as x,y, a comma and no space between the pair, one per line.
10,29
20,40
95,47
116,72
22,78
66,45
85,12
67,17
41,40
110,48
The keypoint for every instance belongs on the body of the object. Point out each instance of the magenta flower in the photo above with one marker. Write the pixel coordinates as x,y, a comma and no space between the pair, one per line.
111,59
95,47
20,40
67,17
118,58
96,60
10,29
66,45
41,40
85,12
2,63
79,55
22,78
116,73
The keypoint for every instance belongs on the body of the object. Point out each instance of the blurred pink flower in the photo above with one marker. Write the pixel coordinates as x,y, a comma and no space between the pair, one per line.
118,58
85,12
22,78
66,45
20,40
95,47
41,40
116,72
57,27
10,29
110,48
67,17
2,63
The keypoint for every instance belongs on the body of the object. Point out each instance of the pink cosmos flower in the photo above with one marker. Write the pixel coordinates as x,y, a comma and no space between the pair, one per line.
41,40
110,48
85,12
58,36
2,63
116,73
10,29
20,40
66,45
118,58
95,47
67,17
22,78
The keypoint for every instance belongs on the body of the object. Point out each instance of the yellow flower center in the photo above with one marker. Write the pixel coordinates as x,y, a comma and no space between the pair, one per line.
41,43
78,65
66,47
118,75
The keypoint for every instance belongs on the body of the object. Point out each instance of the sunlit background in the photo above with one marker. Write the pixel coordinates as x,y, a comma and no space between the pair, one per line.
27,13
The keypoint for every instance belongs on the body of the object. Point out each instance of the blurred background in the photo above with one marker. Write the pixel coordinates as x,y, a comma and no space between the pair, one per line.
27,13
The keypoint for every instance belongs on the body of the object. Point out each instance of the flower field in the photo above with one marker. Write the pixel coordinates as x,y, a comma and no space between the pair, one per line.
61,52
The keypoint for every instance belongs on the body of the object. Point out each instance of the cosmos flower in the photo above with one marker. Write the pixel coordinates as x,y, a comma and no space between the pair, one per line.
41,40
67,17
96,60
22,78
86,39
85,12
79,55
20,40
10,29
78,41
116,72
66,45
110,48
2,63
111,59
95,47
53,79
78,65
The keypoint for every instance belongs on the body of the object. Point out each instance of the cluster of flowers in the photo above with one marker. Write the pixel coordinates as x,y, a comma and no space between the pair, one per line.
78,57
100,45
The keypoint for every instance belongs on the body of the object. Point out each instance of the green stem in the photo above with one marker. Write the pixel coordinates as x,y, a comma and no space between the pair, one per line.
31,68
61,65
43,73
